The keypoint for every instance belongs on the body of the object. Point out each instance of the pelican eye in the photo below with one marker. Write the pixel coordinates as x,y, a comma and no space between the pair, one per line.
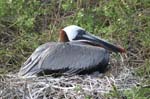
80,34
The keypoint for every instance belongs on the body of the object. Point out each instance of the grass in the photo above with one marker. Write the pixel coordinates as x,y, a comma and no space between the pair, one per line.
24,25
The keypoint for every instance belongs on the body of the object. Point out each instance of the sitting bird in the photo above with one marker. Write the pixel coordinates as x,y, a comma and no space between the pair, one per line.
77,52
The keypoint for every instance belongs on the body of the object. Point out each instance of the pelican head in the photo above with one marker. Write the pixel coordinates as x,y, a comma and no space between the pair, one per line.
76,33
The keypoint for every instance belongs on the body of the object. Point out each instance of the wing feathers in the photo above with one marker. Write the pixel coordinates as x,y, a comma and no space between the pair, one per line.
74,58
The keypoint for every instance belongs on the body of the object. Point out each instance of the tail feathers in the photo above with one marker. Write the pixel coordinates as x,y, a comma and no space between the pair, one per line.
30,67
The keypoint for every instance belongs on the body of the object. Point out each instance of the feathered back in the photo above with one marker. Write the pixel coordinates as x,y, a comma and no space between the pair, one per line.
65,58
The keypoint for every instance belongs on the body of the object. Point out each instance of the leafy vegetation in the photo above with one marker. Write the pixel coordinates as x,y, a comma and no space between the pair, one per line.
25,24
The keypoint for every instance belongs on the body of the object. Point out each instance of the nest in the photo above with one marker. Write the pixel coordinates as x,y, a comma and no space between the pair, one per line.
74,87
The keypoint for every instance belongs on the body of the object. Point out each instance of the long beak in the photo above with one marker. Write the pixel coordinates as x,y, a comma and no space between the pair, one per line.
93,40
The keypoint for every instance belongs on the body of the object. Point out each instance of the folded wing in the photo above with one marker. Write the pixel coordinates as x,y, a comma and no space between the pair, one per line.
68,57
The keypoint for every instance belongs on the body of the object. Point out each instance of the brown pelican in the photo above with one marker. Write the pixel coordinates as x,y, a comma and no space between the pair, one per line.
78,52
